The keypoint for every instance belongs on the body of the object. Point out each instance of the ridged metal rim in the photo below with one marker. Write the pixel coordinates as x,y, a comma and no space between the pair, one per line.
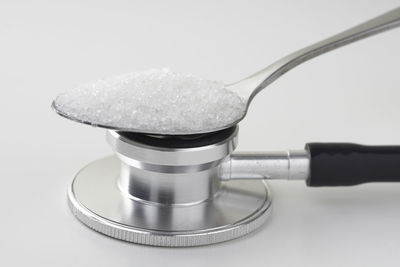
174,239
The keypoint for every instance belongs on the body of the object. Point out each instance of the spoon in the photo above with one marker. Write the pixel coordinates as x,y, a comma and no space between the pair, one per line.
249,87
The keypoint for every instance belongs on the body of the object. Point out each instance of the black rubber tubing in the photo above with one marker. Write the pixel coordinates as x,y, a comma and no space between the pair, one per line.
343,164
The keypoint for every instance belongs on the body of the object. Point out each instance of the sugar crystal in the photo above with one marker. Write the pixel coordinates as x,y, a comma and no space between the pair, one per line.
153,101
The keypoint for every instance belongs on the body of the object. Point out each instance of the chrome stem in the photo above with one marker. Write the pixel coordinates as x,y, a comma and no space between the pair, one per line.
285,165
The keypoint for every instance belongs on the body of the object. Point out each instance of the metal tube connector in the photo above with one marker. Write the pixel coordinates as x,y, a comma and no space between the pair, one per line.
287,165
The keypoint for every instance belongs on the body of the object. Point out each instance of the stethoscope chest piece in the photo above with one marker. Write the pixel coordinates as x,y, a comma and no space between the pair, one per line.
166,191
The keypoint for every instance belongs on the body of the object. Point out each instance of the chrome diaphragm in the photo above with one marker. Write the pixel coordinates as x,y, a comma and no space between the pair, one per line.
167,191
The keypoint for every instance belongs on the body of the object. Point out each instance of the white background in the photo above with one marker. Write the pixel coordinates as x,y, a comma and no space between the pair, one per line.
351,94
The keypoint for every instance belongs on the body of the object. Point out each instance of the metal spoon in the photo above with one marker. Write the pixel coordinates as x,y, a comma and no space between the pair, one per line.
248,88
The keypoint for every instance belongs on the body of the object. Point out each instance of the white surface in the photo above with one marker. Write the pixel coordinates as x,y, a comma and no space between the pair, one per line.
351,94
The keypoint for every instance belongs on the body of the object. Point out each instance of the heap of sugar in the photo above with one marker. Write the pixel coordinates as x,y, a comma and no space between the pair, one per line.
154,101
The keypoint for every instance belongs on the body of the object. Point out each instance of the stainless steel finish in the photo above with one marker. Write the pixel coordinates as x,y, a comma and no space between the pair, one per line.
165,196
289,165
178,194
252,85
170,175
95,198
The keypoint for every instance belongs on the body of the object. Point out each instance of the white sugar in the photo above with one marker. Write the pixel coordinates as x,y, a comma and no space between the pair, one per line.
154,101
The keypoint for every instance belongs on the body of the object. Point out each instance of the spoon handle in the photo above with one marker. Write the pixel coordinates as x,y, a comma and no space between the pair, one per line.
263,78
